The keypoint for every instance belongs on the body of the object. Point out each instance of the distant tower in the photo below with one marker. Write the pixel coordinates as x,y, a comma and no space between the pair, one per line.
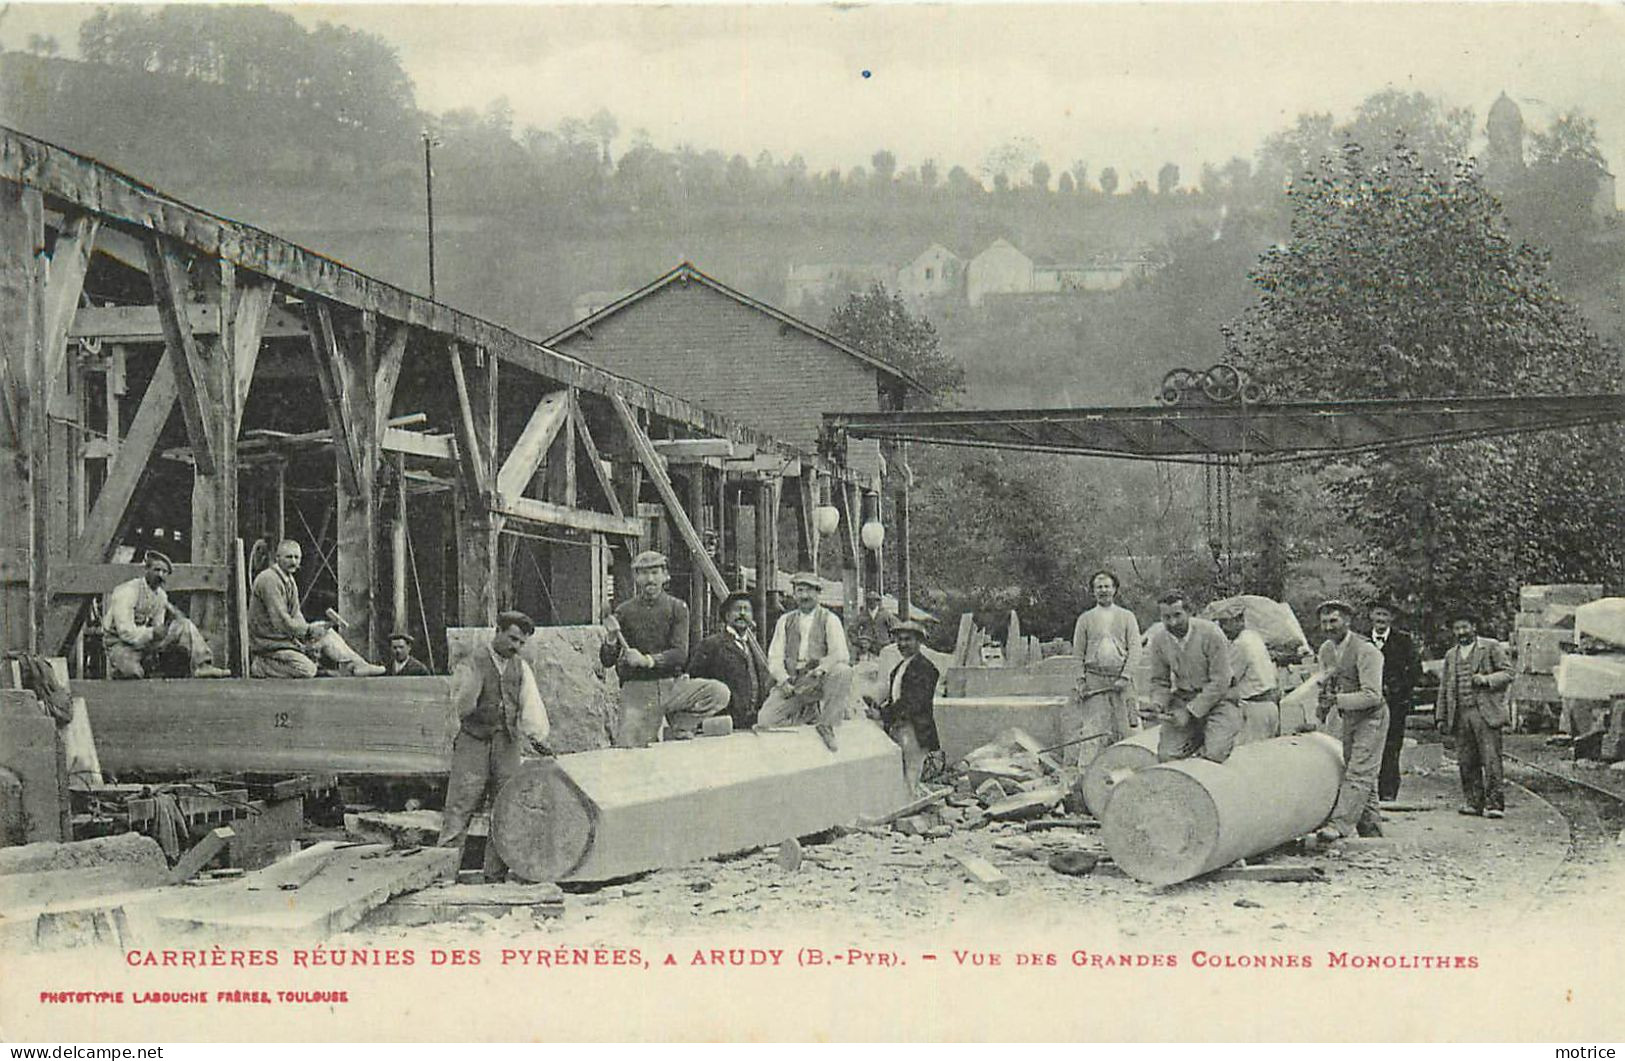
1503,161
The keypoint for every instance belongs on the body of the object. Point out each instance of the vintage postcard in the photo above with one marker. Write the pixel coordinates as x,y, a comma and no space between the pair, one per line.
923,522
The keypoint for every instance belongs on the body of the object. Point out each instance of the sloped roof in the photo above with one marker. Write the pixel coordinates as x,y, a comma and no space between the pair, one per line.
686,272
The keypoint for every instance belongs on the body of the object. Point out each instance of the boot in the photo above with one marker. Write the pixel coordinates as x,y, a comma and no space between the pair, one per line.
827,732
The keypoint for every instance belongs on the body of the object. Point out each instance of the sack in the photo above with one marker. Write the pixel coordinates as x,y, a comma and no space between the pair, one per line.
39,678
533,724
1275,622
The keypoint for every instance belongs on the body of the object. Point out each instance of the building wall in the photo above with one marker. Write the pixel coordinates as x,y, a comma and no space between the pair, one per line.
935,273
696,343
1001,269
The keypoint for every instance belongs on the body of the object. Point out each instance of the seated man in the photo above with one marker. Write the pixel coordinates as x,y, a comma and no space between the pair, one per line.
646,640
141,627
401,661
732,656
281,644
906,712
810,662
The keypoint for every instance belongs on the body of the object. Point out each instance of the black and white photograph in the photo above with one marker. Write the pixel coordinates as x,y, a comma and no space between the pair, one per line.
802,522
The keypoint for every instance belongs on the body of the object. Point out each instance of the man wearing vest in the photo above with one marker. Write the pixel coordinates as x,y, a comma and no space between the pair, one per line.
1472,707
1190,685
1351,681
810,662
646,640
493,691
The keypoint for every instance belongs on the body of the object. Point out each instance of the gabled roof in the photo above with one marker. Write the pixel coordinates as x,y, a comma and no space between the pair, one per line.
686,273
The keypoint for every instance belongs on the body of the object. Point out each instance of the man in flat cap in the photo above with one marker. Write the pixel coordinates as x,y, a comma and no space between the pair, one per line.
733,656
402,664
810,662
142,627
907,711
1254,684
1351,681
646,641
872,628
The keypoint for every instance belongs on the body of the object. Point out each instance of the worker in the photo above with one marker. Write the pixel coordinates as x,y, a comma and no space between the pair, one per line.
1190,685
810,663
1471,707
499,708
907,711
141,627
402,663
1106,644
281,644
1254,684
1401,670
873,626
733,656
646,641
1351,681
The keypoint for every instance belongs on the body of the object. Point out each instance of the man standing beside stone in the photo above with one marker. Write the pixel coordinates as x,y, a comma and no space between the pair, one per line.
646,641
907,711
1472,707
1351,681
733,657
1106,643
141,627
1190,685
1254,684
1401,670
811,664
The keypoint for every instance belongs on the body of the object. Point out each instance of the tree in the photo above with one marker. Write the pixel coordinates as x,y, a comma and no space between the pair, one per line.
1401,281
885,166
1064,186
928,173
1108,181
1041,174
961,182
1080,175
1001,182
881,325
1167,178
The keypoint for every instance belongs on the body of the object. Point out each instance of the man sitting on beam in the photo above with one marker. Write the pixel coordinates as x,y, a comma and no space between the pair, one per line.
142,627
281,643
811,664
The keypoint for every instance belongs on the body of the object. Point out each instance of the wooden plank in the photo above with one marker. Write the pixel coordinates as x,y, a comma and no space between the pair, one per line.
548,514
248,333
530,449
595,462
982,872
325,353
806,532
319,725
650,460
693,450
418,444
390,359
470,454
201,854
186,360
140,324
97,579
64,283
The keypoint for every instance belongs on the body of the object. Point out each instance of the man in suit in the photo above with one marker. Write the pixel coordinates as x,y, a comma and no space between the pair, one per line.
906,712
1472,707
402,664
1401,670
733,657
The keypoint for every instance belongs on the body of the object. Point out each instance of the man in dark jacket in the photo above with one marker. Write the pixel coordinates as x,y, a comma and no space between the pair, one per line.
1401,670
907,710
733,657
402,663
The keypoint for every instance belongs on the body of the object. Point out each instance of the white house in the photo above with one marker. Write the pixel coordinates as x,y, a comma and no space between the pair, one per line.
935,273
1001,269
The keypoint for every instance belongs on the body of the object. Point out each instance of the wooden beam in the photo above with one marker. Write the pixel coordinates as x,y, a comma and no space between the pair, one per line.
214,493
64,284
767,543
247,335
806,532
418,444
391,356
776,464
549,514
530,449
187,363
595,462
325,352
469,453
95,579
129,466
140,324
357,525
692,450
22,452
644,449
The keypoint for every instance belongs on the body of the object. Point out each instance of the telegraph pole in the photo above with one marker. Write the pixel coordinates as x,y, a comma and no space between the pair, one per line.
428,187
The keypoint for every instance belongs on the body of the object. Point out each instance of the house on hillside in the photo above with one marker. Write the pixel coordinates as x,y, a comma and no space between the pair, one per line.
831,282
693,336
1001,269
936,273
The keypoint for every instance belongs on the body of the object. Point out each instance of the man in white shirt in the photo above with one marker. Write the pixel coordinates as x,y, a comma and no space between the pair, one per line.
810,662
141,626
1106,643
1254,683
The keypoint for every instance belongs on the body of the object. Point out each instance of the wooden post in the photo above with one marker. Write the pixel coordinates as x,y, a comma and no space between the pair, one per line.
851,547
214,497
22,457
399,610
476,527
806,533
905,567
700,607
767,548
870,508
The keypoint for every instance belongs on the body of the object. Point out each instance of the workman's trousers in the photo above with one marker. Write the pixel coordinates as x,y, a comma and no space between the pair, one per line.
479,769
1261,720
1363,734
330,648
683,703
181,635
1097,710
1388,778
1478,751
1213,736
826,704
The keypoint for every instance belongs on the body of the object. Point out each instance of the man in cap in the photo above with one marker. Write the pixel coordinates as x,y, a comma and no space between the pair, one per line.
1472,707
1254,684
907,710
872,628
646,641
402,664
1190,685
281,644
811,664
733,656
1351,681
499,708
142,627
1401,670
1106,644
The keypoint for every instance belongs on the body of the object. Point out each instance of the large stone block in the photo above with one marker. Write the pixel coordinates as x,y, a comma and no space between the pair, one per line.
1591,677
32,750
966,723
1539,650
1603,619
582,696
1535,598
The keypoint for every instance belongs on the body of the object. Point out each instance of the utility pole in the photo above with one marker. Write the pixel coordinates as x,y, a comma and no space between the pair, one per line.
428,186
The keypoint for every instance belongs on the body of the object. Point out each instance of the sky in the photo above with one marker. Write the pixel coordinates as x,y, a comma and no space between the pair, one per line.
1126,85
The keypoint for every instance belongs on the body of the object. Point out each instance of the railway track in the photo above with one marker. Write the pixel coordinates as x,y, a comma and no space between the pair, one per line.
1595,813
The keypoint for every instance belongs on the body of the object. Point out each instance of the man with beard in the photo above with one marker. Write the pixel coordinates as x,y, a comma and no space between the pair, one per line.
142,628
907,710
811,664
1351,681
1472,708
733,657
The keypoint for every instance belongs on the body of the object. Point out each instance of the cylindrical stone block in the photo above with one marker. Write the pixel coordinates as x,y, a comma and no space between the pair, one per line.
1114,765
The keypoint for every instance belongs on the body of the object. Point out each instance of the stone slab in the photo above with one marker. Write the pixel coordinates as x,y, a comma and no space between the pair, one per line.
1602,619
31,748
1591,677
966,723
